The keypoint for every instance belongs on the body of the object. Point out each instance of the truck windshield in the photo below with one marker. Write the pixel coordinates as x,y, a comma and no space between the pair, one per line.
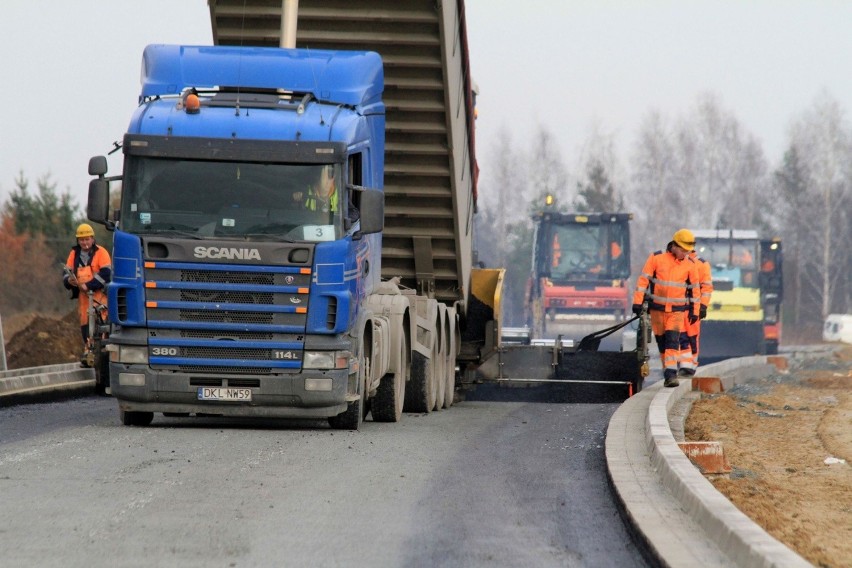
731,261
198,199
588,251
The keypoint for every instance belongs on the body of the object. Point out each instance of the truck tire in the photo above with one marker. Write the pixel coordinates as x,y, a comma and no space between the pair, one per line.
353,416
129,418
388,403
419,393
450,374
439,377
102,373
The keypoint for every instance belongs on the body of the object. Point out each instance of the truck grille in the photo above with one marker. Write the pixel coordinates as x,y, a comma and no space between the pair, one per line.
212,319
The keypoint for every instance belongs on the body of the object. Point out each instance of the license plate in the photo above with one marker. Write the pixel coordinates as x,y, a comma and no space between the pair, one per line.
219,393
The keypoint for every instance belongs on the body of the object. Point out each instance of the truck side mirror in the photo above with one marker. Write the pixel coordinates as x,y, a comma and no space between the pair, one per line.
372,211
97,166
97,209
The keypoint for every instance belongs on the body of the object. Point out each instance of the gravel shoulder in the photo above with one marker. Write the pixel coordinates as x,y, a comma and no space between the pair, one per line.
788,439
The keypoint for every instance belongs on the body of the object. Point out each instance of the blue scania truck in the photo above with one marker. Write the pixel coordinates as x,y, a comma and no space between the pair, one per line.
294,231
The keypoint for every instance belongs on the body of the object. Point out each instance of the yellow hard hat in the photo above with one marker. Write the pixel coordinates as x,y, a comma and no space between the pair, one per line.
85,230
684,239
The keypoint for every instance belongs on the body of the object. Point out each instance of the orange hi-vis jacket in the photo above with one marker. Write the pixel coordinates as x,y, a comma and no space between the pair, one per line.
671,285
95,274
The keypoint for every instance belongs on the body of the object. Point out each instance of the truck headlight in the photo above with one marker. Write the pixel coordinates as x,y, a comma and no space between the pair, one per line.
325,359
128,354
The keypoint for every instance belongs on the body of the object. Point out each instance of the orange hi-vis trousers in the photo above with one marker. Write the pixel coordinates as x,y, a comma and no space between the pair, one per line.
667,327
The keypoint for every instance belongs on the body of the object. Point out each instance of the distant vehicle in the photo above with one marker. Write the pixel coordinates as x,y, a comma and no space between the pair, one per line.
838,327
581,267
744,316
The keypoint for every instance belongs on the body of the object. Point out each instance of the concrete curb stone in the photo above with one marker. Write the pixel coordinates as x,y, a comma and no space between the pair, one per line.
33,383
739,540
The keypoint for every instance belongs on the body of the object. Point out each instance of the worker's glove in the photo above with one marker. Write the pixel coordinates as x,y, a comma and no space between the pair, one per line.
702,312
692,317
637,309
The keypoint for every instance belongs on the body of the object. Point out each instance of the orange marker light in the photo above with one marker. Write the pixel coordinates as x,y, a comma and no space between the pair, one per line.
192,104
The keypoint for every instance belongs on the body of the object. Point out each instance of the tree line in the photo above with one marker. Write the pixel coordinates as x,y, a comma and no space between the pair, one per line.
700,170
703,170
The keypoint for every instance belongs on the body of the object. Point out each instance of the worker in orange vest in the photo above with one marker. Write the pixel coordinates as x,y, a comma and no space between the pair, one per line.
666,283
89,268
689,339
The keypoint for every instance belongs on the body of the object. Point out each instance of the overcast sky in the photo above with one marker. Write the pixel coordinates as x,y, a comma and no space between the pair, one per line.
69,70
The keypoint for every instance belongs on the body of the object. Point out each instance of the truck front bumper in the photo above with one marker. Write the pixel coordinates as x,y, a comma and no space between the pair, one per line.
139,388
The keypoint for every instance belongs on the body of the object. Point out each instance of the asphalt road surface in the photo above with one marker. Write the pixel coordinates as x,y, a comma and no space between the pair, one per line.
485,483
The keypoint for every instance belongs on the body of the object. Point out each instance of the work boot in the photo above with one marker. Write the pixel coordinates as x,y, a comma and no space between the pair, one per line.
670,378
687,373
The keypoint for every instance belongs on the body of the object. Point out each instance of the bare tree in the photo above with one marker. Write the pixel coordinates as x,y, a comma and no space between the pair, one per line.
822,136
791,198
503,200
503,226
719,167
654,197
600,189
547,172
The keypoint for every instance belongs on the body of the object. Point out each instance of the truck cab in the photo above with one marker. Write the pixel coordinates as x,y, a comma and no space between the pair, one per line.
250,215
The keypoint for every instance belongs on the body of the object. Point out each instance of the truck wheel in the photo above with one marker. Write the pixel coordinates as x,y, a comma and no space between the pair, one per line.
129,418
439,377
388,403
450,374
102,373
354,415
352,418
419,393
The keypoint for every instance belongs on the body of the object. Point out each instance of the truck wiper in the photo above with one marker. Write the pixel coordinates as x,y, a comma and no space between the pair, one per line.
270,229
278,237
177,233
172,229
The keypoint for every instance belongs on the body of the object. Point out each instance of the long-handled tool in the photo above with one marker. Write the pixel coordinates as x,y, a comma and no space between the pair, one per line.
592,341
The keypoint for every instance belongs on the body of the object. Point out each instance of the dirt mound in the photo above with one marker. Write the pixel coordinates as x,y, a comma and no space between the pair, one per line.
45,341
788,440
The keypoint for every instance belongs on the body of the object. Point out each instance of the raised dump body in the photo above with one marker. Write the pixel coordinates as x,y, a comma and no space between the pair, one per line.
430,167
